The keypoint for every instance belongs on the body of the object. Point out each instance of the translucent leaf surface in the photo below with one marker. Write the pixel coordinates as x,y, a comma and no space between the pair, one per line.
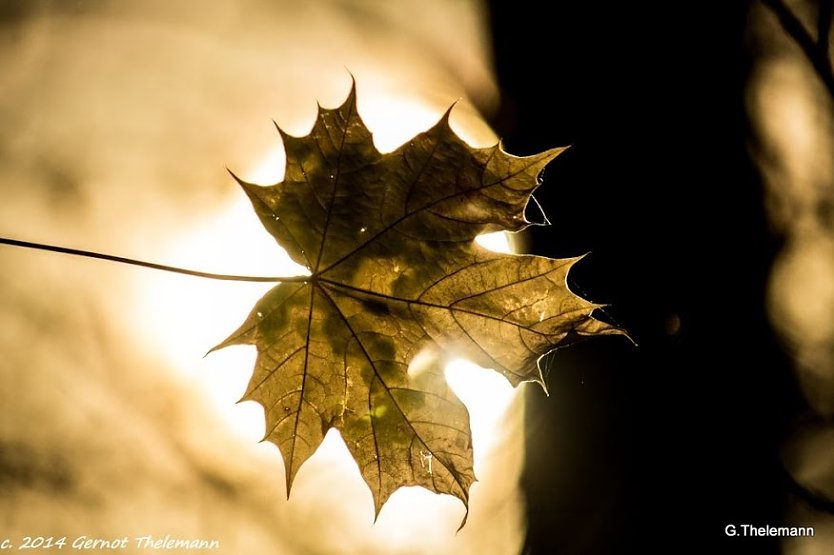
395,271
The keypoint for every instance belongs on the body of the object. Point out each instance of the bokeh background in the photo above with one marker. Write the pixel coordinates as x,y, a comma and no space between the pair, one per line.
699,179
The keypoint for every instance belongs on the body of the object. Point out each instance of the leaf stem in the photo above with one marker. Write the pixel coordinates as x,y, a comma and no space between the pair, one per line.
151,265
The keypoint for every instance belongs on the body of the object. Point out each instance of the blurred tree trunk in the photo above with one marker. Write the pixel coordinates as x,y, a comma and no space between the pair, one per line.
791,102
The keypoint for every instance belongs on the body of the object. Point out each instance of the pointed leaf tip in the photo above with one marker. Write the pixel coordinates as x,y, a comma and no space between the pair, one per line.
444,118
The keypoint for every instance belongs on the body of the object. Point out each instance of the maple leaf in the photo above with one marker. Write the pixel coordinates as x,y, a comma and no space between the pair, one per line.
395,272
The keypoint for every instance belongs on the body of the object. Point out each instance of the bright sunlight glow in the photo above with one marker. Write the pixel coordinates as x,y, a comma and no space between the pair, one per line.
187,316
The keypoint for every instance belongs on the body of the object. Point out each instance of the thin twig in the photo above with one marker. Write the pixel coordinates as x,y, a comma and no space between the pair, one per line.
794,27
151,265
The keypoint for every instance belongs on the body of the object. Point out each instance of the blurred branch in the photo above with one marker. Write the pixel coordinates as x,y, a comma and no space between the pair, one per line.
824,27
815,51
814,499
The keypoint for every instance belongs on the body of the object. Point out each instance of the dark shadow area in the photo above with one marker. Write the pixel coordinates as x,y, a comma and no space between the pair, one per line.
654,448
